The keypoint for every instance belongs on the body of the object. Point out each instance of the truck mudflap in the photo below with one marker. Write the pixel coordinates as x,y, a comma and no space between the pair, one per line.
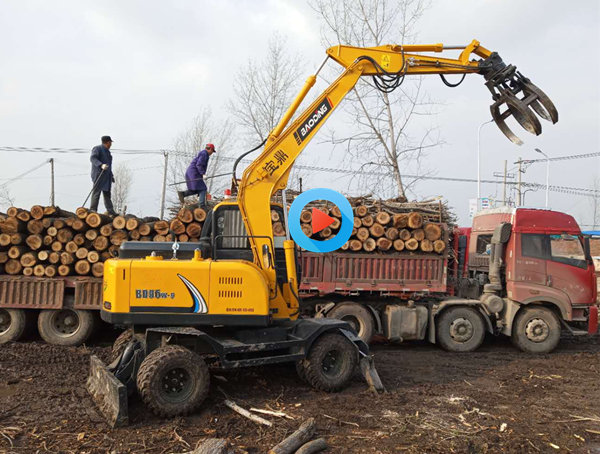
111,385
593,320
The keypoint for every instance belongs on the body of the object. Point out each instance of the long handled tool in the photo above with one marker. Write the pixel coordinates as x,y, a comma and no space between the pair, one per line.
93,187
201,178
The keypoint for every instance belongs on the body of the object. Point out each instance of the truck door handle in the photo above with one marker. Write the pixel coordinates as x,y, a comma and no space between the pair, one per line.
549,281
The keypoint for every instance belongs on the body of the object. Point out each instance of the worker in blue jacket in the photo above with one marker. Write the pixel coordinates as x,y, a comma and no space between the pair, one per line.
102,176
194,176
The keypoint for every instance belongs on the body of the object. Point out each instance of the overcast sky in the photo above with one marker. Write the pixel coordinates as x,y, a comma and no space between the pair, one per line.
140,71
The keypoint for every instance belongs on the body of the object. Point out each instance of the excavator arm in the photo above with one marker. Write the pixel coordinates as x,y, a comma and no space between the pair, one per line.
388,65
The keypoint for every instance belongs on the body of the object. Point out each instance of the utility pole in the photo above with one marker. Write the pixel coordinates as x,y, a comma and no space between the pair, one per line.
504,192
51,161
547,173
479,162
519,184
164,186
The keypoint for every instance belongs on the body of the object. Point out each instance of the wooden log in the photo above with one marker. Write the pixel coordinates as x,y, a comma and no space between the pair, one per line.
418,234
52,231
105,256
48,240
325,233
159,238
27,259
12,212
98,269
132,223
313,446
411,244
377,230
17,238
400,221
34,242
66,258
79,225
274,216
213,446
58,224
426,245
96,219
345,246
118,237
64,235
362,234
4,239
57,246
404,234
91,234
100,243
185,215
391,233
177,226
64,270
383,218
335,212
398,245
439,246
12,267
415,220
35,226
193,229
134,235
278,229
306,216
3,257
144,229
82,267
81,253
355,245
369,244
361,211
79,239
161,227
119,222
146,238
432,231
384,244
16,251
93,256
24,215
81,212
37,212
50,271
53,257
357,222
39,270
58,212
69,222
183,238
47,222
306,229
367,221
300,437
27,271
42,255
12,225
71,247
199,214
335,224
106,230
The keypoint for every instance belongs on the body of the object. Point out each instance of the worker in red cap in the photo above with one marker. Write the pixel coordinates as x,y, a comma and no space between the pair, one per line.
194,176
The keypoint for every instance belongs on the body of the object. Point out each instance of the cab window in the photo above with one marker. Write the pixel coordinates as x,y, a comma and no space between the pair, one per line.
567,249
533,245
483,244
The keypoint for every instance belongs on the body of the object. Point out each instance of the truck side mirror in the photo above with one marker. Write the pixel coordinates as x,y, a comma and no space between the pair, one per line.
502,233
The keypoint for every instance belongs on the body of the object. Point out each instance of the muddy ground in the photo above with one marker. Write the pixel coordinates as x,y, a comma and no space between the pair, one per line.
494,400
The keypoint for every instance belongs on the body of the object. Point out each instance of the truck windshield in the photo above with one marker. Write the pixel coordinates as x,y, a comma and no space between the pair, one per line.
567,249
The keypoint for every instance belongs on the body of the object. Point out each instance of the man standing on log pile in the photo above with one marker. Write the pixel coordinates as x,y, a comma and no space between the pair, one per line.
194,176
102,176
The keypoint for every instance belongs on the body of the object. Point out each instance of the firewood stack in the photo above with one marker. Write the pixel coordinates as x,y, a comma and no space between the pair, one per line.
385,227
48,241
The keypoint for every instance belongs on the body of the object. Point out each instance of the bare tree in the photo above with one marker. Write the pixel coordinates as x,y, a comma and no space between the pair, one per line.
6,200
203,129
390,131
122,187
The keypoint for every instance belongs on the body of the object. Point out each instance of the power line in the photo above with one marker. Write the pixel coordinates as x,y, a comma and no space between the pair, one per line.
78,150
561,158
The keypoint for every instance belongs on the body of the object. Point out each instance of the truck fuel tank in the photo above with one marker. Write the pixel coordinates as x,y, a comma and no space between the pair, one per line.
402,323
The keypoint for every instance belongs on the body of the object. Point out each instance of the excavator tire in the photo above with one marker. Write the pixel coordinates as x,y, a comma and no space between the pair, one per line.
67,327
301,370
173,381
120,343
331,362
13,323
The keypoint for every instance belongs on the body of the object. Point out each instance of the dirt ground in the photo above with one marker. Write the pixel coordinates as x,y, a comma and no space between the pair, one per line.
494,400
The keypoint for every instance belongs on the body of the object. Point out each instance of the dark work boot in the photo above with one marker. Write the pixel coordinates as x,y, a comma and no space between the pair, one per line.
181,197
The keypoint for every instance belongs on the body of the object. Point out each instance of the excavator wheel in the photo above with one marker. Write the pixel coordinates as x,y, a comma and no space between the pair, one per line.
330,363
173,381
120,343
301,370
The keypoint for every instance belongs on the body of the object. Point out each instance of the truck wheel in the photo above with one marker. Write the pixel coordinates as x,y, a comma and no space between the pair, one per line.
173,381
536,330
68,327
120,343
12,324
460,329
356,316
330,363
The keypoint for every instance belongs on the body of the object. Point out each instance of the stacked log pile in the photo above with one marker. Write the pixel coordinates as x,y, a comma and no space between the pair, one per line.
48,241
386,226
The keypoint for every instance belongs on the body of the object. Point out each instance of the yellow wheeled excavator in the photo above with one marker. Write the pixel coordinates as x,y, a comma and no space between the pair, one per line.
234,303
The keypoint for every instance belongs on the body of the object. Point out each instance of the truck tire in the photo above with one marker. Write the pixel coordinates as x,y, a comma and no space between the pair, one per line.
13,323
173,381
330,363
67,327
536,329
460,329
357,316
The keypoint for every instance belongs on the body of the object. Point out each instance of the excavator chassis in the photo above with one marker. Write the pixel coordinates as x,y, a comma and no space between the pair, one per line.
222,348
